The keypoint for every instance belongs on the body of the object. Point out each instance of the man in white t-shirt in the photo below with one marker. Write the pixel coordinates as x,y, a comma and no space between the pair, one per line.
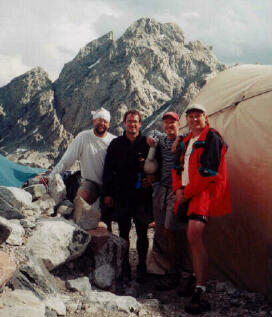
89,147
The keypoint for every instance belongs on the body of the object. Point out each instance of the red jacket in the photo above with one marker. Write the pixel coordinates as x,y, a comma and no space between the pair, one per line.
208,186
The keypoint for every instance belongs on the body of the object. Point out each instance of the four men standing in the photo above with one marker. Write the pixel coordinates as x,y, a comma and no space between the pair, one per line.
199,183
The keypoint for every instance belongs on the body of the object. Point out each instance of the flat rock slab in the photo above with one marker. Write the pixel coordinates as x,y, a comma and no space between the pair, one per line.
108,302
21,303
7,268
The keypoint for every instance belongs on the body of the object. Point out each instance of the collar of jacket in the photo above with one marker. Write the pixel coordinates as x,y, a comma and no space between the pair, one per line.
202,135
136,140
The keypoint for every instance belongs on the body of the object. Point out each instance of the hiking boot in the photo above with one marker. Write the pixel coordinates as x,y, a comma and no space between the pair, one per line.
187,286
141,274
167,282
199,303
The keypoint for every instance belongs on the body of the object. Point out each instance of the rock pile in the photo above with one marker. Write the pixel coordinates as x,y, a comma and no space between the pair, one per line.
38,246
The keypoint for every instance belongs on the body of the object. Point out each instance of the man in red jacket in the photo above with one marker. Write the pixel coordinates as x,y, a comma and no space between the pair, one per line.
200,181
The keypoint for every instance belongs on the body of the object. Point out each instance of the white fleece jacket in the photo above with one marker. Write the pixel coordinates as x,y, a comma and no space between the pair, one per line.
90,150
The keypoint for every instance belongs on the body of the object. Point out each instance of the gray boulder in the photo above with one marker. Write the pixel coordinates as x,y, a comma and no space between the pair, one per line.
9,212
103,276
108,259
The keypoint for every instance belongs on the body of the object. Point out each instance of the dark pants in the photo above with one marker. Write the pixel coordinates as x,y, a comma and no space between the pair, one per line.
141,216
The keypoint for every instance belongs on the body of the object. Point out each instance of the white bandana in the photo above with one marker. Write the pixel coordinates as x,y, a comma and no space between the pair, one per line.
101,113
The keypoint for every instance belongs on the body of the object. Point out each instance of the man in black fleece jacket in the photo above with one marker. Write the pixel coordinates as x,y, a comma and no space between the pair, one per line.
126,189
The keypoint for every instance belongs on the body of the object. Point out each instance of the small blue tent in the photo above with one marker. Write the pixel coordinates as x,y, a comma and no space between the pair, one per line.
15,175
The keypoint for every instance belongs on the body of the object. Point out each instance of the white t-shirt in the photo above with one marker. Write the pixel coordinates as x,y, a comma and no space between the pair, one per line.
90,150
185,173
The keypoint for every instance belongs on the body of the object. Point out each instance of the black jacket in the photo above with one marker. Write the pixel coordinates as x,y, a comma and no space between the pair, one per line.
123,167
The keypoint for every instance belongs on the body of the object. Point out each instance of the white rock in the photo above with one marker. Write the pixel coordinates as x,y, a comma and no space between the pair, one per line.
36,191
56,241
56,188
17,232
45,204
21,303
81,284
55,303
16,197
106,301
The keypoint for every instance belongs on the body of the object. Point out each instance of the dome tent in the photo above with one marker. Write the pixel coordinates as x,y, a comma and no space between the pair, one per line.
15,175
239,106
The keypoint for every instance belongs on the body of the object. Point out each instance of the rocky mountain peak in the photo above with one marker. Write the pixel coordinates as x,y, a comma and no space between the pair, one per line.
150,28
148,66
28,118
91,47
26,86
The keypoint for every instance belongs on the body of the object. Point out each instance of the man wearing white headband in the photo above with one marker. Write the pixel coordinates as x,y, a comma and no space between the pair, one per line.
89,147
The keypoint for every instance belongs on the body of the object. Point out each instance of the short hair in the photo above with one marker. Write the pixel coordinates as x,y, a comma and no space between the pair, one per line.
133,112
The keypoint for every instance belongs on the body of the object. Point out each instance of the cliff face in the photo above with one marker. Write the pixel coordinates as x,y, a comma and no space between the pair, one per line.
147,67
28,118
150,68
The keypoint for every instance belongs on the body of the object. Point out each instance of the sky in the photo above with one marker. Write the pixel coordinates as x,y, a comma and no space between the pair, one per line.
49,33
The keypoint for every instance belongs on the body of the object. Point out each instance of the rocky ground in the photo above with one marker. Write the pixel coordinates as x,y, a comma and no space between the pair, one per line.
69,290
226,300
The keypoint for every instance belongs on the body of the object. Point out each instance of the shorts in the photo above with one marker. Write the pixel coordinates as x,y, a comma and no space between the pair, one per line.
91,187
163,208
200,204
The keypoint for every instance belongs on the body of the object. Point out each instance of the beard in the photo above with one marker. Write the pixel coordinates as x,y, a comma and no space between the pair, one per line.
100,130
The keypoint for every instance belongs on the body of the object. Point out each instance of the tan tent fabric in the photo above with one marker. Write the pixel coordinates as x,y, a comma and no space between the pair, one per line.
239,105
